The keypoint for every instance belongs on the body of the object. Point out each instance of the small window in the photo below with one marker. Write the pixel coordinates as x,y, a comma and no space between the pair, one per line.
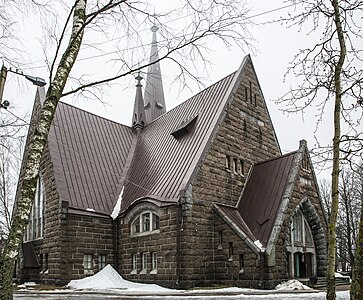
136,225
235,165
144,261
230,251
145,222
134,263
305,163
245,126
241,263
101,261
255,98
220,239
156,222
246,93
88,263
228,162
155,260
242,167
251,93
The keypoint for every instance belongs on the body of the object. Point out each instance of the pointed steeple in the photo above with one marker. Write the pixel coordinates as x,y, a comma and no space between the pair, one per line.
154,93
138,118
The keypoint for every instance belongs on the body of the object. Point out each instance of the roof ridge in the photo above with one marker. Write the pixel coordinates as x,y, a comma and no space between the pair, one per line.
91,113
192,97
276,158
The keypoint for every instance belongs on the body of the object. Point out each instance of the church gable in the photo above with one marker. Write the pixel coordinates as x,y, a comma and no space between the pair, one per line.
245,136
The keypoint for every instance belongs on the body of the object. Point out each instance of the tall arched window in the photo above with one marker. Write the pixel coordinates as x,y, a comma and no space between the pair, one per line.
35,226
300,248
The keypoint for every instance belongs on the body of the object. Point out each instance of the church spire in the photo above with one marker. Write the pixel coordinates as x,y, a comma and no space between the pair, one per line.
154,94
138,118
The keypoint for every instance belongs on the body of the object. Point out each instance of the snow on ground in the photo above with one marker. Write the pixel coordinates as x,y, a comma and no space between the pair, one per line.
292,285
108,283
27,284
108,278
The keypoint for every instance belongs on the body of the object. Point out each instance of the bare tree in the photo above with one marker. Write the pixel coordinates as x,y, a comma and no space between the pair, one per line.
349,214
329,76
10,151
225,20
356,290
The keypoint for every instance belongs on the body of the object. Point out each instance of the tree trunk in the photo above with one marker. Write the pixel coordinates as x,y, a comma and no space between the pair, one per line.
330,295
36,147
356,289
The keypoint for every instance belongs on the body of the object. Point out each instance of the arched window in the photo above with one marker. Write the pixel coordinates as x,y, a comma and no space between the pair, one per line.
301,259
145,222
300,231
35,226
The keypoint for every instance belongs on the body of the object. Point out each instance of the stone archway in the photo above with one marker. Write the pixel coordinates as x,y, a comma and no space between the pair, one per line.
306,247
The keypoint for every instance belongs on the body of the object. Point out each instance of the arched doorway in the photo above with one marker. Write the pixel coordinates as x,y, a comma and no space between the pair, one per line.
301,257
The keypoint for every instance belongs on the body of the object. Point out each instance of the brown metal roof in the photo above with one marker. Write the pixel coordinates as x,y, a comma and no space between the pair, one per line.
233,214
162,163
262,195
89,155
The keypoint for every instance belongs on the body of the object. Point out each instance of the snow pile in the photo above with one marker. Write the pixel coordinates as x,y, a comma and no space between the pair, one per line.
292,285
108,278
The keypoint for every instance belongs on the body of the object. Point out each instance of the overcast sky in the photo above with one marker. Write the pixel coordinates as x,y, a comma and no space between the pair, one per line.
275,47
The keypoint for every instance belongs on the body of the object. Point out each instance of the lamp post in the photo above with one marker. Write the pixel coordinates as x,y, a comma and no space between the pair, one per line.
3,73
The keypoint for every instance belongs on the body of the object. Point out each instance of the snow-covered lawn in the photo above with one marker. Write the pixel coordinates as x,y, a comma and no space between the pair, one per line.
108,283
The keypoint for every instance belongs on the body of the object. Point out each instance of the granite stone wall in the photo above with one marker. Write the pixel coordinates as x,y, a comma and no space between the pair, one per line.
245,136
164,242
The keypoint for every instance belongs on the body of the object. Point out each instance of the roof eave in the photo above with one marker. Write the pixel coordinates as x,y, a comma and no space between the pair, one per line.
237,230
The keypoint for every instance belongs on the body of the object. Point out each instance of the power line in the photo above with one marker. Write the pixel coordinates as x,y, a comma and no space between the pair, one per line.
165,40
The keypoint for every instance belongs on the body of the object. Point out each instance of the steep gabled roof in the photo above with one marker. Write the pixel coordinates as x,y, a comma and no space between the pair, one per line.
89,154
263,194
163,162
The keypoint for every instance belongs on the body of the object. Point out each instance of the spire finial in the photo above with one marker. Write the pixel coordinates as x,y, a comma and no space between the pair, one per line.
154,28
139,78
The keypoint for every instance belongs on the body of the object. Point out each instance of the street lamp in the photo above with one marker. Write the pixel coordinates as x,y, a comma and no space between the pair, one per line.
4,71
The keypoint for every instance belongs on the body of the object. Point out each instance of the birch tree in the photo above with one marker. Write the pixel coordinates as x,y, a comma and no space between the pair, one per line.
224,20
330,74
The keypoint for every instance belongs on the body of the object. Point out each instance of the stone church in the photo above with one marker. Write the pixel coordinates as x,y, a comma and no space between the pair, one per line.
195,196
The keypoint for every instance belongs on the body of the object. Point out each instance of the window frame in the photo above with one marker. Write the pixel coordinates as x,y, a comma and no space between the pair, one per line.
154,260
145,222
134,263
144,263
241,263
35,227
88,263
102,261
230,251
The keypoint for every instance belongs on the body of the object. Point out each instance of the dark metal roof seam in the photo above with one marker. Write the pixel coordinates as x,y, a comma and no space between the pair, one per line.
212,130
191,147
